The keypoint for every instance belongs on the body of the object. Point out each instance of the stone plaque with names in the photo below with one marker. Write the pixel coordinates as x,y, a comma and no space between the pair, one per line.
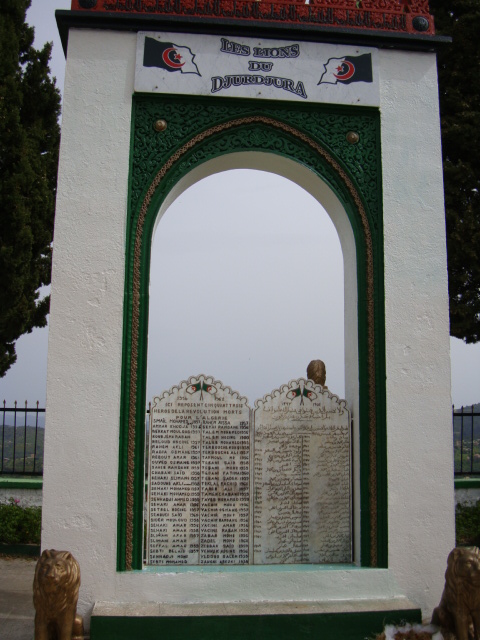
199,476
301,501
231,486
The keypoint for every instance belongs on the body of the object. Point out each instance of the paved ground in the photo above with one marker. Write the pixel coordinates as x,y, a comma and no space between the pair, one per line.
16,605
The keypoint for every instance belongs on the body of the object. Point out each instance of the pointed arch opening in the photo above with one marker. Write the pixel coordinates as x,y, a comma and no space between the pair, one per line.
314,314
246,283
304,161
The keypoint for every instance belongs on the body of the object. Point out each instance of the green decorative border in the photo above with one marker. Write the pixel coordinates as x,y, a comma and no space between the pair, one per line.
467,483
22,482
31,550
327,626
199,129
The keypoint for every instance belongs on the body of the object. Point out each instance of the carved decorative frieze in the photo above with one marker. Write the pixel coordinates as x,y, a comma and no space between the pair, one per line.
371,15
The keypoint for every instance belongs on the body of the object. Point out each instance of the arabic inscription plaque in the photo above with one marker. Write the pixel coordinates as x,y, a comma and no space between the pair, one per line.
302,476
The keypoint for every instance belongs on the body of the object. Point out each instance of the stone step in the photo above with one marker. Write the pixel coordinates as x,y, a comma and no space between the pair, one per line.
327,620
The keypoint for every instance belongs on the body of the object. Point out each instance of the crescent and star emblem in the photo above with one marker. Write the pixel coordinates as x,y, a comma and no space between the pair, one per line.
172,59
345,71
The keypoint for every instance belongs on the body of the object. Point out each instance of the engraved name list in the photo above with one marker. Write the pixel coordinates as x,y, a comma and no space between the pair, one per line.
199,494
228,485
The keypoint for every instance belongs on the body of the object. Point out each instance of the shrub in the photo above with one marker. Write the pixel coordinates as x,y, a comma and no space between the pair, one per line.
20,525
467,525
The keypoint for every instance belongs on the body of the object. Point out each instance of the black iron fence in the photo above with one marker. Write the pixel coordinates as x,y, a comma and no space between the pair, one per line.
22,431
22,434
466,440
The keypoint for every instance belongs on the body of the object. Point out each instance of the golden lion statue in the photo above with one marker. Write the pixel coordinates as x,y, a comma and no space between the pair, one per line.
55,595
459,608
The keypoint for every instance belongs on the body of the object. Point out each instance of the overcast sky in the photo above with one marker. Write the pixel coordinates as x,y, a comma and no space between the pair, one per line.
238,314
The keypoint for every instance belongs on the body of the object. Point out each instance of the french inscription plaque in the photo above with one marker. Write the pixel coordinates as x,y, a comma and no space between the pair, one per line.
232,486
301,500
199,475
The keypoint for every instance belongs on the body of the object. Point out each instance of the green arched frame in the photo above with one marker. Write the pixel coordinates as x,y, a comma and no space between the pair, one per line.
199,129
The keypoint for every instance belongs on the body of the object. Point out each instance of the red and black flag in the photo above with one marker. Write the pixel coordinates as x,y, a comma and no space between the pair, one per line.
347,70
303,393
168,56
201,386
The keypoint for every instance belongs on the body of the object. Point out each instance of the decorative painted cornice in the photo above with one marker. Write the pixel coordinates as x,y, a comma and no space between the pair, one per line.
387,16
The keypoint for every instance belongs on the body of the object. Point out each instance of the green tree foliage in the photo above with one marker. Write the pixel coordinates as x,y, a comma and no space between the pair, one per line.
29,139
458,66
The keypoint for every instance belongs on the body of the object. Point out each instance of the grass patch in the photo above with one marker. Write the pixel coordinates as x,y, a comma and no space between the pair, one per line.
20,525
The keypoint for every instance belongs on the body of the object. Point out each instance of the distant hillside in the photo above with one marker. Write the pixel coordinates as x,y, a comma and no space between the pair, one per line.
14,450
476,408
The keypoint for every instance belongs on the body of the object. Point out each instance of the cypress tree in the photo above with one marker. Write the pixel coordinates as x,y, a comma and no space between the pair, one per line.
458,66
29,139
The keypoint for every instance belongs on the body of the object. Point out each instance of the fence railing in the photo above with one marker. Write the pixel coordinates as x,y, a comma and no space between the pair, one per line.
466,440
22,431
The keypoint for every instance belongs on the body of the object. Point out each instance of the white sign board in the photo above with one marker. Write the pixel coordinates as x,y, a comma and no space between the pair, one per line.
207,65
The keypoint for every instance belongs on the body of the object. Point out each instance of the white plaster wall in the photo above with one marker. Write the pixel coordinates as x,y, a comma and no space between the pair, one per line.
25,497
420,455
85,335
85,341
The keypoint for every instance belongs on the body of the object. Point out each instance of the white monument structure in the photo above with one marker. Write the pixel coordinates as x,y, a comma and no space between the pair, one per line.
262,518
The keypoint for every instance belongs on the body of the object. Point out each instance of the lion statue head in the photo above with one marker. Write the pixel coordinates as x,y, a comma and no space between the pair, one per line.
55,594
459,608
463,571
